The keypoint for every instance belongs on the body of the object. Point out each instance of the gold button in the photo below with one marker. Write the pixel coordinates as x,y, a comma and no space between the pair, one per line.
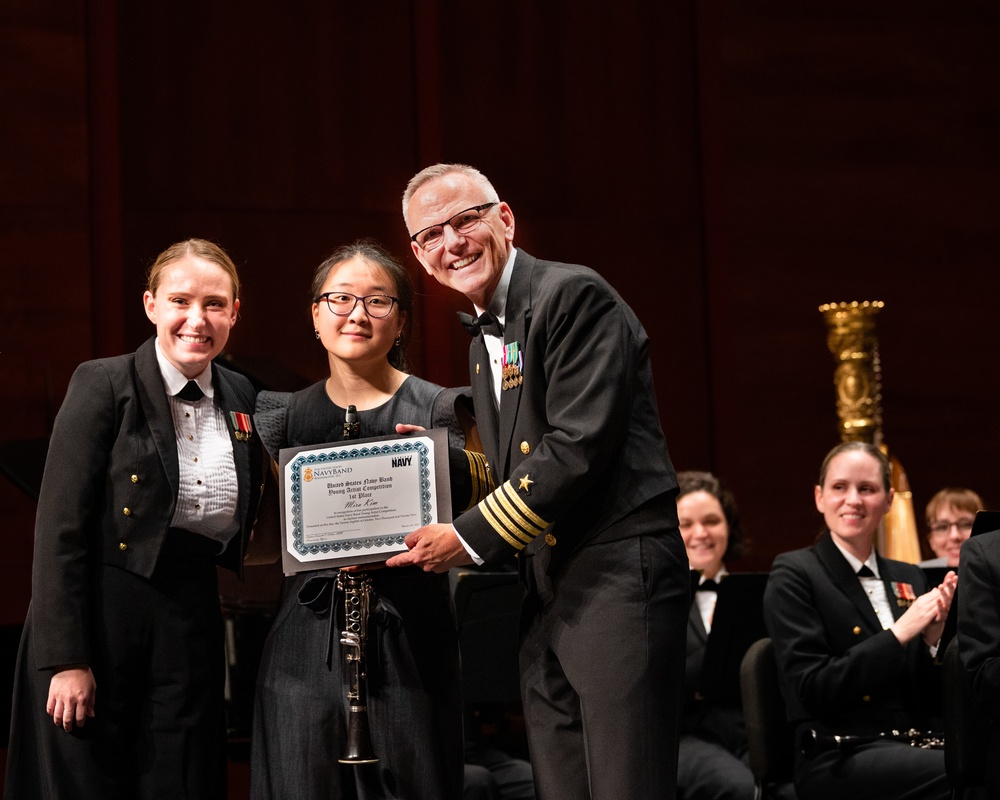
550,540
122,546
867,698
477,369
190,438
196,460
126,512
857,630
525,448
135,479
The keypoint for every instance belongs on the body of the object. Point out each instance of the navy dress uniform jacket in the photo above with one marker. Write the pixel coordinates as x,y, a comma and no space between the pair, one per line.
576,446
111,588
840,671
110,488
979,636
585,495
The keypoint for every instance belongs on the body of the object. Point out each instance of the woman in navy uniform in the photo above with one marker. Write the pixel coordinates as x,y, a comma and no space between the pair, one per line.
152,478
855,636
713,744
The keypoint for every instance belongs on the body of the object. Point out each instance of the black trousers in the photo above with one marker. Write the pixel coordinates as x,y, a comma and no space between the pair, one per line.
159,726
874,771
602,672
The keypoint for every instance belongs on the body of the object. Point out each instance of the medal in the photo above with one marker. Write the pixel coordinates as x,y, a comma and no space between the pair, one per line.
241,425
904,594
512,363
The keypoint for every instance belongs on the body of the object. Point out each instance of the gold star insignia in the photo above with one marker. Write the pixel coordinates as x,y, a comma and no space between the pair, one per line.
525,483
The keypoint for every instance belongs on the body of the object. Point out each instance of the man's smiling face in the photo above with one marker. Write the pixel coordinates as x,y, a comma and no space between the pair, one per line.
471,262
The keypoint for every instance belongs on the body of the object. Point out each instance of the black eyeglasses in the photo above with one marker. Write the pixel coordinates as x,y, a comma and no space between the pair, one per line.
430,238
942,527
343,303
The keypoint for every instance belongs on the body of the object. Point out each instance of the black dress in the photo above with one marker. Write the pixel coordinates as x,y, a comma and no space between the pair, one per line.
414,695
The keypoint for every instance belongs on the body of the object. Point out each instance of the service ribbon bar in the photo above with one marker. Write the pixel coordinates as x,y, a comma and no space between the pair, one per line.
241,425
904,594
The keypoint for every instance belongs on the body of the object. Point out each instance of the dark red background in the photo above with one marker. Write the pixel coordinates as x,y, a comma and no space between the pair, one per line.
727,166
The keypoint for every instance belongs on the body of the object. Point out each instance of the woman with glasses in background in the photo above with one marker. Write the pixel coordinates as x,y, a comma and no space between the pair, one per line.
362,304
950,515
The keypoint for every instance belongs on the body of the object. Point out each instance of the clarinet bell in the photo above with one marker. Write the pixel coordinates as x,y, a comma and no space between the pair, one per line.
358,747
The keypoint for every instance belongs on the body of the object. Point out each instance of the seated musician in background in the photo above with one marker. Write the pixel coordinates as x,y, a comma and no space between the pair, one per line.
713,743
950,515
979,637
854,637
491,773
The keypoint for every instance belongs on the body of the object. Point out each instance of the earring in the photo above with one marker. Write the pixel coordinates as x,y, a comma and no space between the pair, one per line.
398,341
317,333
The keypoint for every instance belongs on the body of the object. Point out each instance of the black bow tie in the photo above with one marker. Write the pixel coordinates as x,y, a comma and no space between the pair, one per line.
191,392
708,586
486,323
865,572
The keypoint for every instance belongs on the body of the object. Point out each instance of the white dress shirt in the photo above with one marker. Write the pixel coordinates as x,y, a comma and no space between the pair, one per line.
707,599
874,587
208,493
494,347
498,306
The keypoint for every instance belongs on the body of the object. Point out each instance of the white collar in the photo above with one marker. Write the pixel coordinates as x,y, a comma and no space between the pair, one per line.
722,573
174,380
498,302
856,563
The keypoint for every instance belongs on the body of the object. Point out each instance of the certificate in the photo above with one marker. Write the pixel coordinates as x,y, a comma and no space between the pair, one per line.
353,502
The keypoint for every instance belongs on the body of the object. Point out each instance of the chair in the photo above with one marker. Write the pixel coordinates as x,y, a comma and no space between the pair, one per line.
770,737
966,729
488,611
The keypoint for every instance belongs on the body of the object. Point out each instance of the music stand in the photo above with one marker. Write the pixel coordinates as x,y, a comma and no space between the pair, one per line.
738,622
985,521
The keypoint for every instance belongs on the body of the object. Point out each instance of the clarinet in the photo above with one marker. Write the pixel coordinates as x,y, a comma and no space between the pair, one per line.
357,591
352,428
814,742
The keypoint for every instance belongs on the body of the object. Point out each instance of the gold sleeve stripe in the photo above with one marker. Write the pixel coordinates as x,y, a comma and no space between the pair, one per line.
510,517
482,478
529,515
508,527
509,502
498,526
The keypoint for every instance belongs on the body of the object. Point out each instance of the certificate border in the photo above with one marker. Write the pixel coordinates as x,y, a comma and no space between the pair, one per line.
346,455
291,565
